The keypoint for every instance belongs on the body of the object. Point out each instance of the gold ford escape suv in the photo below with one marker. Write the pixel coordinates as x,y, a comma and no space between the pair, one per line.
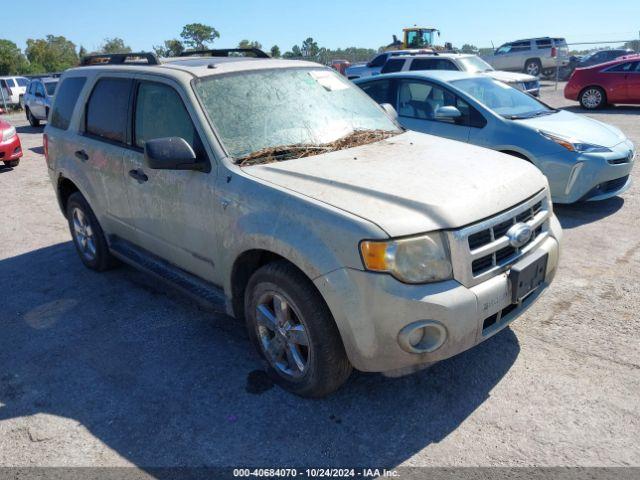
281,190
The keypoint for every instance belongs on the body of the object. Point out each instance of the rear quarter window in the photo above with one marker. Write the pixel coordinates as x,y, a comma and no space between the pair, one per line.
107,109
65,101
393,65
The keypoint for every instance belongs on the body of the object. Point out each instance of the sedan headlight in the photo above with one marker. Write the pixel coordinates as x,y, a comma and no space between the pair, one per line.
574,145
8,133
420,259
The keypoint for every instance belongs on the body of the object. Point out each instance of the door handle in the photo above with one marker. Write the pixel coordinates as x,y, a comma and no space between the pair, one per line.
138,175
82,155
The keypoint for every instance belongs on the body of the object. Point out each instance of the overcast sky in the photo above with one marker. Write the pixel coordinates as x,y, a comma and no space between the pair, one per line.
370,23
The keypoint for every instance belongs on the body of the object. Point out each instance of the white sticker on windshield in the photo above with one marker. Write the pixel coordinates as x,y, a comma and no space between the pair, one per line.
328,80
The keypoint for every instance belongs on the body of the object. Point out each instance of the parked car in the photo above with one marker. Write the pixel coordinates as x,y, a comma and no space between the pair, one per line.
582,158
15,87
613,82
38,99
10,147
374,66
598,57
534,56
461,62
280,187
340,65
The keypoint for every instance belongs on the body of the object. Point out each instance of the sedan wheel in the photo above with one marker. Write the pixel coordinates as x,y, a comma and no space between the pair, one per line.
592,98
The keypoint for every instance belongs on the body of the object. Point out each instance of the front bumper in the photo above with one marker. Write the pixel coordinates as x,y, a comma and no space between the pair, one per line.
590,176
10,149
372,309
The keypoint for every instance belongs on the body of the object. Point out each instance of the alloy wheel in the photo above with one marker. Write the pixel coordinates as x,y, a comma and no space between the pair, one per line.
83,234
592,98
282,335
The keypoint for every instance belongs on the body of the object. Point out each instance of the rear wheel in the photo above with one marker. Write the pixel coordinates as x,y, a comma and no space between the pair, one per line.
87,234
592,98
33,121
533,67
294,332
21,102
12,163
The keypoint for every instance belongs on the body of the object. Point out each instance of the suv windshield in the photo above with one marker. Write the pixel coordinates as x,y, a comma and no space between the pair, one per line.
290,113
503,99
474,64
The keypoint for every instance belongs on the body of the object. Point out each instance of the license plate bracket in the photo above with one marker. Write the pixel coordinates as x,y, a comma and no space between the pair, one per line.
527,275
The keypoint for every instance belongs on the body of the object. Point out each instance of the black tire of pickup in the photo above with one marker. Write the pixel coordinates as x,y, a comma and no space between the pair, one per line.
327,366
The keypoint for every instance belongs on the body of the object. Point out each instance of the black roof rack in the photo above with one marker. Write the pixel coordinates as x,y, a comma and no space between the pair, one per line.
226,52
138,58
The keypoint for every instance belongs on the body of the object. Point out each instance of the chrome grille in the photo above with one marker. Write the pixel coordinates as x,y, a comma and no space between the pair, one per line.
482,250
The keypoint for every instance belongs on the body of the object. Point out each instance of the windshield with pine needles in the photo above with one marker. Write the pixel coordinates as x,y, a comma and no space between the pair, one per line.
280,114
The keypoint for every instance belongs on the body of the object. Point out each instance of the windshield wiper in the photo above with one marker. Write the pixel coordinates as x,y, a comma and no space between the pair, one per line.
290,152
531,115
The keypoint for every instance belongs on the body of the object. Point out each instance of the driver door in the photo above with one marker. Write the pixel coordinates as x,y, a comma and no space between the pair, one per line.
172,211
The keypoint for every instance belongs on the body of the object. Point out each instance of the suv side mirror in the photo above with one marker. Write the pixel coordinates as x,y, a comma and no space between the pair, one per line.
388,108
447,113
171,153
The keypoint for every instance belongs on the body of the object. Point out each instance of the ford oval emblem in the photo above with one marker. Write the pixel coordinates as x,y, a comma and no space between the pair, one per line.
519,235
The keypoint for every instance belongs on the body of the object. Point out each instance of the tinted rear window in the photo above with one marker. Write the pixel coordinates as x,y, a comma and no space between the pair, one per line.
107,109
432,64
393,65
66,101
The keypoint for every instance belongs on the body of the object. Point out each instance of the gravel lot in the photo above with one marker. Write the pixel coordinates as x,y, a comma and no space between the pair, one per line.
115,370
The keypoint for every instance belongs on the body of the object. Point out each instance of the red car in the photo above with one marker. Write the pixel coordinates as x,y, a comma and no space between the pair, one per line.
10,147
617,81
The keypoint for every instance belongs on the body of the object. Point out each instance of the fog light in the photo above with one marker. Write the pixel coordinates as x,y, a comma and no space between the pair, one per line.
422,337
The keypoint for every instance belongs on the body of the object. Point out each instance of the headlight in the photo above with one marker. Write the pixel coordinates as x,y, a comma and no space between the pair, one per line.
8,133
420,259
574,145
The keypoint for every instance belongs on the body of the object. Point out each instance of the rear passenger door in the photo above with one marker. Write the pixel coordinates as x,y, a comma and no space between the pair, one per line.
172,210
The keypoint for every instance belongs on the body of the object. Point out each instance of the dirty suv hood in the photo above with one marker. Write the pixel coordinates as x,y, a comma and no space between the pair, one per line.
410,183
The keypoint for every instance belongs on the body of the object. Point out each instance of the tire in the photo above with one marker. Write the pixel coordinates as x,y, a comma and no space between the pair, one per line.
592,98
21,102
533,67
314,370
12,163
91,245
33,121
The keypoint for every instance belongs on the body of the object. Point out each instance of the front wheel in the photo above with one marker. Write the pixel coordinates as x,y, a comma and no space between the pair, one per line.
294,331
592,98
87,234
33,121
12,163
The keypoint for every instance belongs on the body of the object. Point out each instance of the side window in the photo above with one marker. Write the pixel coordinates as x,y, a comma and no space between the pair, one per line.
11,83
22,82
380,91
393,65
521,46
65,102
622,67
443,64
161,113
422,64
40,90
421,100
544,43
378,61
107,108
506,48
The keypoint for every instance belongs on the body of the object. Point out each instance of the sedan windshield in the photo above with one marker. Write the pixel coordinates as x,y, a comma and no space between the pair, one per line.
474,64
503,99
288,113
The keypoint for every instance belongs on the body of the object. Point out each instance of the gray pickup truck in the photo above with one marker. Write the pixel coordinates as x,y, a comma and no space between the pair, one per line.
533,56
282,191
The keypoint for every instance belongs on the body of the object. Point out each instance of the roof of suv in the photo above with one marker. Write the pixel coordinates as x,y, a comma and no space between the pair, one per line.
205,66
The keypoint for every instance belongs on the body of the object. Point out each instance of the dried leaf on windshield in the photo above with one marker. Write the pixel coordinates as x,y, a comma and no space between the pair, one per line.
290,152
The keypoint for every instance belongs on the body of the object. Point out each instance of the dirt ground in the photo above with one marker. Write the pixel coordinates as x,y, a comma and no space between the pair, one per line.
116,370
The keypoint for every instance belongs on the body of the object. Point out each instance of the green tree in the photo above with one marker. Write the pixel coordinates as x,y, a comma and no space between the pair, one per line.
171,48
114,45
51,54
310,48
467,48
198,35
12,60
275,51
249,44
294,53
82,52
